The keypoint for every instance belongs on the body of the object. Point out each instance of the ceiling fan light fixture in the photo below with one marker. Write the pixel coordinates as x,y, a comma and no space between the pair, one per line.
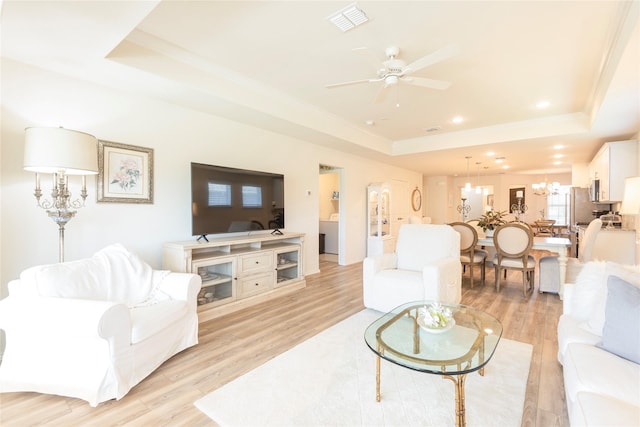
391,80
348,18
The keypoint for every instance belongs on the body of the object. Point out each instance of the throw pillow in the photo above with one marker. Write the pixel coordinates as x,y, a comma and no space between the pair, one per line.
621,331
628,273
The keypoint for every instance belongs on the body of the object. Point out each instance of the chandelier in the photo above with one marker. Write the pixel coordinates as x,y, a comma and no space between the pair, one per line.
545,189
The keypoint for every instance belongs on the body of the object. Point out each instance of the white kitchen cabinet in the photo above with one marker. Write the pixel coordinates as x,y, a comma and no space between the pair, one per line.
614,162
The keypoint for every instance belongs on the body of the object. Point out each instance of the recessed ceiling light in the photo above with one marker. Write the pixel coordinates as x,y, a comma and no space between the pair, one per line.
348,18
557,162
558,156
505,166
558,147
490,153
542,104
457,119
370,122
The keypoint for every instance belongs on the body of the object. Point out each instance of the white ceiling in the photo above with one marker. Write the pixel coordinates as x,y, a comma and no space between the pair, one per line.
267,63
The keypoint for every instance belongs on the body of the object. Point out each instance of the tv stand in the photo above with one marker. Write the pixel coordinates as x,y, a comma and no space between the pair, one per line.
277,232
241,271
203,237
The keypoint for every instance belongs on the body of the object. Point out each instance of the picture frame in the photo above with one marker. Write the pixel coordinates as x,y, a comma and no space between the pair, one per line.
125,173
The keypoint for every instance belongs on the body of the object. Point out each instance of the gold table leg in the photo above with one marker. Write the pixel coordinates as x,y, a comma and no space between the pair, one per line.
377,378
460,411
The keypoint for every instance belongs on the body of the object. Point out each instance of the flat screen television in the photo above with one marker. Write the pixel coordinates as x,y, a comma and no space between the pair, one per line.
229,200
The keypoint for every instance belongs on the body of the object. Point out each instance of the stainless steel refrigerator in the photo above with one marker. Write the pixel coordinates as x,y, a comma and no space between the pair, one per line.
581,211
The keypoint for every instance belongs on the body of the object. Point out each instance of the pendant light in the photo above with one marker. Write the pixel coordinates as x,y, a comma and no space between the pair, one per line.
467,186
478,188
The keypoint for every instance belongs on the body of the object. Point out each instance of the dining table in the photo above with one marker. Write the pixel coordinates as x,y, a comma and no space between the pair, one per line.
559,245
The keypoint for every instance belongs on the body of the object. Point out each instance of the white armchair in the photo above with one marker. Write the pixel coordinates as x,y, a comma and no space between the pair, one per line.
94,328
425,266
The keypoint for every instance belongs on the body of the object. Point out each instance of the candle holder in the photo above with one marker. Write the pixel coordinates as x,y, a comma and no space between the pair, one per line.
519,209
60,207
464,209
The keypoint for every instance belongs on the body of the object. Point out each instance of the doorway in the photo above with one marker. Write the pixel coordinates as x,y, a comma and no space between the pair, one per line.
329,214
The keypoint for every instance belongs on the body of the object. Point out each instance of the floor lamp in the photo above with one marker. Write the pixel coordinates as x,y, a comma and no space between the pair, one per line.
61,153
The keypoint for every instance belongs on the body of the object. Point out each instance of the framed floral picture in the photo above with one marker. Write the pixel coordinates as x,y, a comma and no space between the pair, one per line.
125,173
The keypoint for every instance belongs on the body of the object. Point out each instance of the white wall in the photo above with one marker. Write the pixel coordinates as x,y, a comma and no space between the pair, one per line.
33,97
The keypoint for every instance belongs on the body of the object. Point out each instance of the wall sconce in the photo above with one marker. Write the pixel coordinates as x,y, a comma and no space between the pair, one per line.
61,153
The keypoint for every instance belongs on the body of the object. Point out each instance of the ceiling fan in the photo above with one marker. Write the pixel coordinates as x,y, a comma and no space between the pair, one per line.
395,70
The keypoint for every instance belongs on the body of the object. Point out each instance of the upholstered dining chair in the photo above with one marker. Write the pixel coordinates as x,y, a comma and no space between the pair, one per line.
513,242
469,255
550,267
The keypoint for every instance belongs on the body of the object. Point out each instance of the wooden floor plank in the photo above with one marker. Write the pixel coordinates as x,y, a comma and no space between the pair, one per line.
236,343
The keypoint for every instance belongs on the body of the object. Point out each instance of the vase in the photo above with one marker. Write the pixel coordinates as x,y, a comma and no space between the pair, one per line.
489,233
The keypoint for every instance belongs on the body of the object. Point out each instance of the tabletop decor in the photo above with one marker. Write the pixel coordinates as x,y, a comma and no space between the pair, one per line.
492,220
435,317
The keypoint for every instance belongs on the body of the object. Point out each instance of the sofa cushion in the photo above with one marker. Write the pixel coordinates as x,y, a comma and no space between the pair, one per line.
591,369
405,286
621,331
413,248
570,331
592,409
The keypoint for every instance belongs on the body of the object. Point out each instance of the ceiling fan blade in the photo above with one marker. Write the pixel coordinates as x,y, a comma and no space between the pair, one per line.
381,95
428,83
433,58
354,82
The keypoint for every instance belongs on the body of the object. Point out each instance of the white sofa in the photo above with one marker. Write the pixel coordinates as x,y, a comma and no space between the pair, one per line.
600,324
425,266
96,327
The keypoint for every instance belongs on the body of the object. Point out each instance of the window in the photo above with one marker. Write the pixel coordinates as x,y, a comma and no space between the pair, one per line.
558,206
219,194
251,196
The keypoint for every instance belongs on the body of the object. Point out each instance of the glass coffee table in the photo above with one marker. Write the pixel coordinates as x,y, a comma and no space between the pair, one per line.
465,345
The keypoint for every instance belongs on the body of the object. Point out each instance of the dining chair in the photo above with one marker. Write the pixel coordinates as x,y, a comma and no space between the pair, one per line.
469,255
544,227
513,242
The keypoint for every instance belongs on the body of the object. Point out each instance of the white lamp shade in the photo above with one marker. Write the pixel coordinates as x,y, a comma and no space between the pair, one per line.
51,150
631,197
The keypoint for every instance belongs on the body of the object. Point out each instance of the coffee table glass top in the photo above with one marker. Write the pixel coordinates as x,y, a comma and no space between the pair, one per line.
465,347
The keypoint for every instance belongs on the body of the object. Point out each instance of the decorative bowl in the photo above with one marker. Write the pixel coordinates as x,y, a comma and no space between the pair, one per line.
440,330
435,318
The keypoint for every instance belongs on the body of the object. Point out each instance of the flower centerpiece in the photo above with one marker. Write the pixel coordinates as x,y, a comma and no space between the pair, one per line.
435,316
492,220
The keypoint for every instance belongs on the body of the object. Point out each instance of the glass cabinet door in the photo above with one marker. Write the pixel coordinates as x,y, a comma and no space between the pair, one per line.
217,280
379,196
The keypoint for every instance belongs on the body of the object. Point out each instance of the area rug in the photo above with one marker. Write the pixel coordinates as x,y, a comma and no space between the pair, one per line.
329,380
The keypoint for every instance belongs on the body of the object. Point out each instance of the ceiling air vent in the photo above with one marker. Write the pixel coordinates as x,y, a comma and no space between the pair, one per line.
348,18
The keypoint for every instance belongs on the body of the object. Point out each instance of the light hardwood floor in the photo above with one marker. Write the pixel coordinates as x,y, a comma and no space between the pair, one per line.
237,343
